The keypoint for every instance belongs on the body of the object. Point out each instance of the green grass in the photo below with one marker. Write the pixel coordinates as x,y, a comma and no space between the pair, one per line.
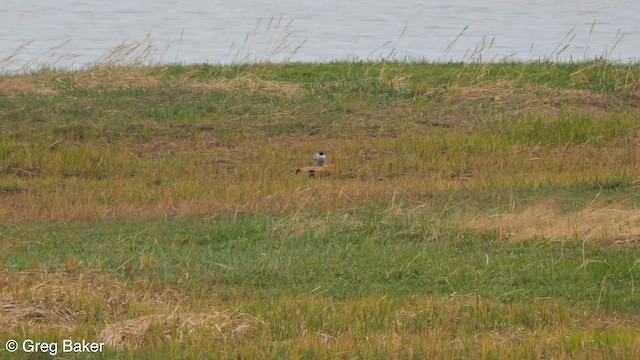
365,256
477,211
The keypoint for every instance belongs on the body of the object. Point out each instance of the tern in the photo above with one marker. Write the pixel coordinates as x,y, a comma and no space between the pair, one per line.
320,158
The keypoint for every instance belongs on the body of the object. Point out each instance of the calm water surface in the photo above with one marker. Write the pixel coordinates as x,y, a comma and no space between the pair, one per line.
74,33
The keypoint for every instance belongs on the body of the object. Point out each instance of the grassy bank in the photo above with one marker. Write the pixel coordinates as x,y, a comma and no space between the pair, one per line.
477,211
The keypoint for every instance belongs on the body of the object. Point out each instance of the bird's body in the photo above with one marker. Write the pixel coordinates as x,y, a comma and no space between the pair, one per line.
320,158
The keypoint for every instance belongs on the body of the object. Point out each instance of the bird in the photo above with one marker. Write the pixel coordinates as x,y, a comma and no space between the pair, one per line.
320,158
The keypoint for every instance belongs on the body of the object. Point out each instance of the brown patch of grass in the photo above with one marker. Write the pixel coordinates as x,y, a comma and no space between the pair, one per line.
82,304
245,84
114,78
117,78
132,334
606,224
100,78
107,78
56,297
16,313
515,99
33,84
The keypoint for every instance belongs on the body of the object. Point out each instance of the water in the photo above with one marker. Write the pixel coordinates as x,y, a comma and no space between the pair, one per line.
75,33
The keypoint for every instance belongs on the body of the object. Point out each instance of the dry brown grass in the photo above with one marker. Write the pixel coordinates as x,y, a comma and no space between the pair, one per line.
523,99
15,313
180,327
246,84
101,78
32,84
123,78
67,303
606,224
114,78
59,295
